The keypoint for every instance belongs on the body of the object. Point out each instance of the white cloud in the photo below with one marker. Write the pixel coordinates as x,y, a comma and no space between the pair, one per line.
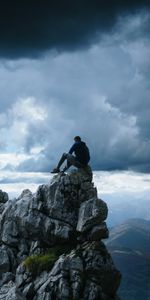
27,109
12,159
121,182
24,114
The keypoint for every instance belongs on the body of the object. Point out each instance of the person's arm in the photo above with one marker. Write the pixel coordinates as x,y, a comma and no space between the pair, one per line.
72,149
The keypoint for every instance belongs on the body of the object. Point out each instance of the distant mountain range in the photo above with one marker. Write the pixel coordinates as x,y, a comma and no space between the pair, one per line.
129,245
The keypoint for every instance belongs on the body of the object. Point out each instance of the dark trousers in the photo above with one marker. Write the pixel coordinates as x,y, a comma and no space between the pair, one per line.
71,161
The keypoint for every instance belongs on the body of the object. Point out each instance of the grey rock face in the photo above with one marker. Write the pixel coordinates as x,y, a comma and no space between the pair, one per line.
87,270
10,292
3,200
91,212
3,197
4,260
68,211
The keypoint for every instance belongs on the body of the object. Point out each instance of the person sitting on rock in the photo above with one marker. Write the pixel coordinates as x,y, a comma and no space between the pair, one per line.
79,160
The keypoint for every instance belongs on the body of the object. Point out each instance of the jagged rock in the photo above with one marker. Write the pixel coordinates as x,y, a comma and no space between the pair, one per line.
28,291
22,277
10,233
91,213
100,268
86,273
4,260
3,199
52,213
25,194
7,277
97,233
7,260
2,207
67,210
10,292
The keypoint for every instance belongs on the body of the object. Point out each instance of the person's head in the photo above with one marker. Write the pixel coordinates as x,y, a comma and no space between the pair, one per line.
77,139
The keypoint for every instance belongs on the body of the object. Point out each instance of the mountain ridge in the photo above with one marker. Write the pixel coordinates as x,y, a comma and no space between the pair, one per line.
129,245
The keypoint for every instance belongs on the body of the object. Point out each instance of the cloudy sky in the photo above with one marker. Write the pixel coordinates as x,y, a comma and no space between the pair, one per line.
74,68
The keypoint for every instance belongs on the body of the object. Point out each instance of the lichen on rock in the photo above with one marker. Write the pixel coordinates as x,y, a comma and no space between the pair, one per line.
51,243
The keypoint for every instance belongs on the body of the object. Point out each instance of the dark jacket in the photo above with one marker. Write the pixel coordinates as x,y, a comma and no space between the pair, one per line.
81,152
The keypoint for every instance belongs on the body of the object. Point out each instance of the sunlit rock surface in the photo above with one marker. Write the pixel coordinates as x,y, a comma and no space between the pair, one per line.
66,212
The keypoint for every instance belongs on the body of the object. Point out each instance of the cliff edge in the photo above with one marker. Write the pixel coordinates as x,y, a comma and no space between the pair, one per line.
51,243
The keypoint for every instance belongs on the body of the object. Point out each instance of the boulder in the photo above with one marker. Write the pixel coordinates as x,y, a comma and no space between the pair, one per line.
92,212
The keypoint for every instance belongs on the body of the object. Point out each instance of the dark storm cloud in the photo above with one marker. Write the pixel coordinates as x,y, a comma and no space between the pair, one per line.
27,28
100,93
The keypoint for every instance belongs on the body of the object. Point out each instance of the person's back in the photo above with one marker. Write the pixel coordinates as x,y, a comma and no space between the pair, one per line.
80,160
81,151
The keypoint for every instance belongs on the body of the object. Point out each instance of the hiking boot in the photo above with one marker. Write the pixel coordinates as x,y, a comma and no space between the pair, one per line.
55,171
65,169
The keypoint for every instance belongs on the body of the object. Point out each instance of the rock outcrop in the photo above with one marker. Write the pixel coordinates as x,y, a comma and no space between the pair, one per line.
3,200
51,243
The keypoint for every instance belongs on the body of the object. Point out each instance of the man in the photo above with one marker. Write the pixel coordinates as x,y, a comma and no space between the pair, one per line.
81,158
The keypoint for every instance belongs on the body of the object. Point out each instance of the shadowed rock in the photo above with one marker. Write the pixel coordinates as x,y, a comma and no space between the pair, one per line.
3,200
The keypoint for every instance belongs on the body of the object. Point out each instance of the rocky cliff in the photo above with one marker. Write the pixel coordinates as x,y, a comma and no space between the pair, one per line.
51,243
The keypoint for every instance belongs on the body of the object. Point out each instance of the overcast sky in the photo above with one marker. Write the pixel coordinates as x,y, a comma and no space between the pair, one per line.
75,68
